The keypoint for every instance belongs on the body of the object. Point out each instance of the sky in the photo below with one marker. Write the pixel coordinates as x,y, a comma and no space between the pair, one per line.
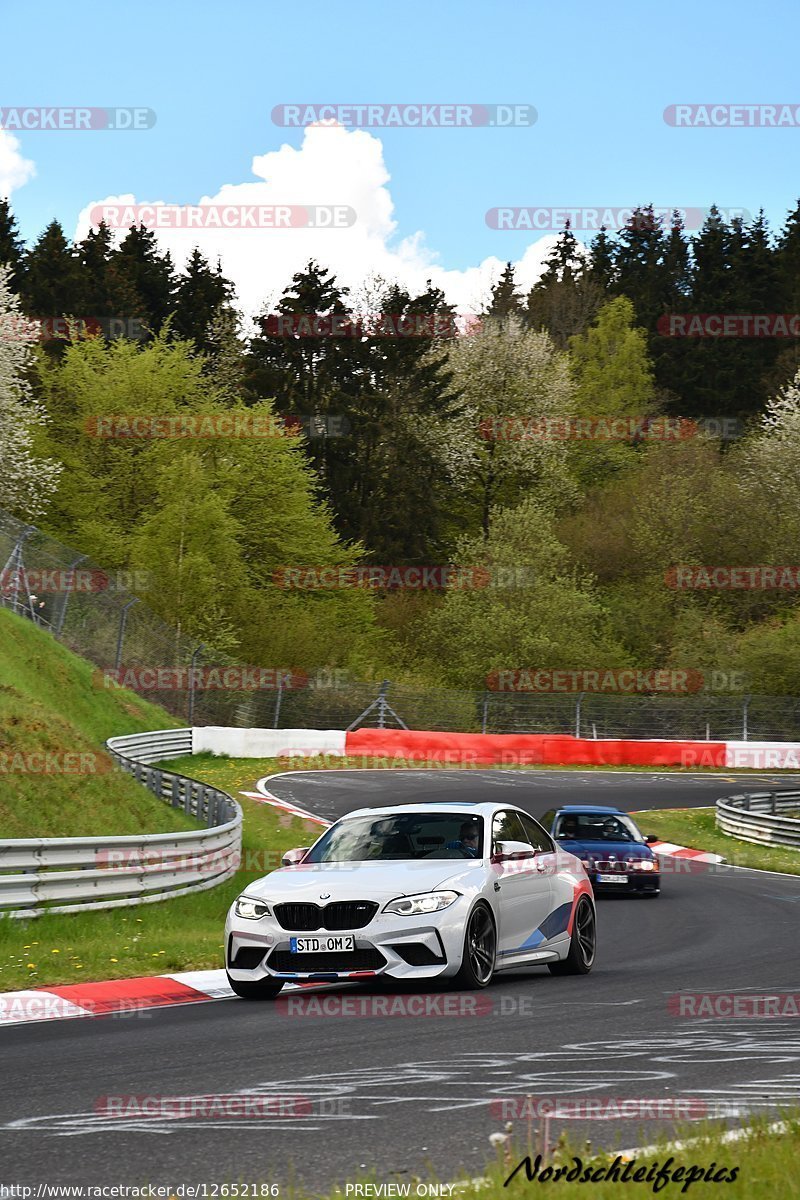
599,76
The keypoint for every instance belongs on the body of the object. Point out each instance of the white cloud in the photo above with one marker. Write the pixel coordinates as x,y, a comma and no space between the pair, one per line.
14,169
333,166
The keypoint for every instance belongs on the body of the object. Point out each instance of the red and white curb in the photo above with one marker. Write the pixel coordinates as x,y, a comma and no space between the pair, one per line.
262,796
673,851
59,1001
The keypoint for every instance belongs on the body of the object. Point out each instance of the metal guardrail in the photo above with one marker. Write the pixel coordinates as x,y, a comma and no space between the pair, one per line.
77,874
756,817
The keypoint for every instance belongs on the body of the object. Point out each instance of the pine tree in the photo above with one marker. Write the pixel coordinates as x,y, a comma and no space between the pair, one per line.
144,278
11,246
94,256
200,295
565,299
301,371
506,300
51,283
386,487
603,256
787,265
672,357
639,261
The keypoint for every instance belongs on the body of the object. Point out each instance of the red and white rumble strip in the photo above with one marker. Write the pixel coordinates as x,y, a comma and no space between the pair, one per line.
673,851
111,996
122,996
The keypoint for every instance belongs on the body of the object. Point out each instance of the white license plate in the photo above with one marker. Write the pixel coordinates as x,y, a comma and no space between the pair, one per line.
322,945
612,878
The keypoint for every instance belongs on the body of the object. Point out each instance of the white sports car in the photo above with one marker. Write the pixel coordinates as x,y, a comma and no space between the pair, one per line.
453,890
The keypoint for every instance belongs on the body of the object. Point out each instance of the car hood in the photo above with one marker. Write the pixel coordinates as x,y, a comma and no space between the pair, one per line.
586,848
363,880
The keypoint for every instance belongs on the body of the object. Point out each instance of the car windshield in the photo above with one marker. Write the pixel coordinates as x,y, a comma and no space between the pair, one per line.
404,836
597,827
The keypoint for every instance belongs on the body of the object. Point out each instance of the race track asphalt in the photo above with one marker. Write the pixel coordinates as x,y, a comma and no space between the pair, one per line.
401,1094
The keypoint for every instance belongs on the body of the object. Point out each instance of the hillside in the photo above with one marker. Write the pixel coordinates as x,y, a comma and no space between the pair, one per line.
55,778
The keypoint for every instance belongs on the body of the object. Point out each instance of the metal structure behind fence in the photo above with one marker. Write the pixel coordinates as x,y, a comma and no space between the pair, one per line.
761,817
115,630
76,874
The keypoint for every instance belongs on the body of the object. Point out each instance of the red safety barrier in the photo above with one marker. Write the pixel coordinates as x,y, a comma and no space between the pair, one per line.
529,749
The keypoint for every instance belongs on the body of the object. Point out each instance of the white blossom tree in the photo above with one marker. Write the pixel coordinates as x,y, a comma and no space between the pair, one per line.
506,437
771,455
27,481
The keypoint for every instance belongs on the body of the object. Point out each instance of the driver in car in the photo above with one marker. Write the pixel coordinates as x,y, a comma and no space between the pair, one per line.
467,841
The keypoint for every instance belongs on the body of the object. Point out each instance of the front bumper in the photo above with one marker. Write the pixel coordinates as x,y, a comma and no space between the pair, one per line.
425,947
637,881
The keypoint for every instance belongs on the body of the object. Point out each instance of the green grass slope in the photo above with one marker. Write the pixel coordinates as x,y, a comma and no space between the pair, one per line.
55,778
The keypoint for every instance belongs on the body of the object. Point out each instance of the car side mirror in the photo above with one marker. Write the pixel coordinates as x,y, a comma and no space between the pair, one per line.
506,851
650,838
293,857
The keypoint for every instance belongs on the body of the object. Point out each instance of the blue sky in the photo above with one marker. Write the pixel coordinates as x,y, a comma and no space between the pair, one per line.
599,75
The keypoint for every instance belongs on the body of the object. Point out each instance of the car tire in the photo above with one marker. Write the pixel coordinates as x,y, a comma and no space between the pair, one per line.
259,989
480,951
583,943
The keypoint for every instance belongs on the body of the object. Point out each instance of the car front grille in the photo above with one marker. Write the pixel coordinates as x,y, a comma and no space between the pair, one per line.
368,959
344,914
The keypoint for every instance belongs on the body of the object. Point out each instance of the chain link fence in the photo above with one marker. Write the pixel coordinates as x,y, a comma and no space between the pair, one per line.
90,611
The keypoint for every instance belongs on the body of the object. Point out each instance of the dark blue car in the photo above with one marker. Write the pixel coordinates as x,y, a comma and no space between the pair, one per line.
616,856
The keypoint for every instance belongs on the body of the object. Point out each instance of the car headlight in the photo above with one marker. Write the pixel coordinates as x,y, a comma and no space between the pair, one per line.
252,909
643,864
426,902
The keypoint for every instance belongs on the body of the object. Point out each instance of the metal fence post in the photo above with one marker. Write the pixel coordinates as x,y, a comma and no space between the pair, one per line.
485,716
278,699
745,707
14,565
62,612
190,698
123,621
578,704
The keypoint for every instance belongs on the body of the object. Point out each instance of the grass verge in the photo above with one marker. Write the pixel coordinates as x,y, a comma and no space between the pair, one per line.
760,1166
184,934
696,828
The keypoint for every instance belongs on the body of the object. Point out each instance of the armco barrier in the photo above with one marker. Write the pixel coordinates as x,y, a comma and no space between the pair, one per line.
476,749
757,817
76,874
